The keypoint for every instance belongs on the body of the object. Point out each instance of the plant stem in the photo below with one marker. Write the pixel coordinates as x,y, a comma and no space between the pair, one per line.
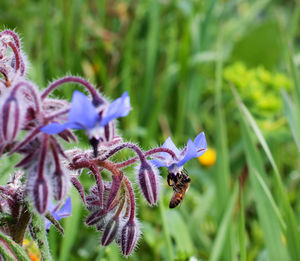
39,231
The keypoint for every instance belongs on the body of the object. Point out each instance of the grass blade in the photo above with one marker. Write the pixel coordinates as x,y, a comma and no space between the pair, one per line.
220,240
268,219
71,228
290,115
293,239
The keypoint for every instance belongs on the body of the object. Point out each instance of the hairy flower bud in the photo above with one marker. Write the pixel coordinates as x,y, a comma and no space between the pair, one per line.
10,119
115,186
110,231
101,223
129,237
95,217
59,185
40,194
148,180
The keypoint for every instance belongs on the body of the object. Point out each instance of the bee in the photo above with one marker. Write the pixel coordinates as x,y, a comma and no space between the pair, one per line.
180,183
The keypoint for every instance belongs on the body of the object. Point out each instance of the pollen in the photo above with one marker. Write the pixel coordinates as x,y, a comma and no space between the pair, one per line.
208,158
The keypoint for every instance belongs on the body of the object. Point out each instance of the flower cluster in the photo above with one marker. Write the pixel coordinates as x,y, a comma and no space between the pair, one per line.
46,170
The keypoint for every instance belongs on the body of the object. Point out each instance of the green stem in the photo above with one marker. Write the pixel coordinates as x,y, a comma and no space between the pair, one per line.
39,231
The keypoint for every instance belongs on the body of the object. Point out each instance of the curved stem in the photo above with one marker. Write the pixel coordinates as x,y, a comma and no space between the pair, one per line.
126,145
74,79
16,53
94,169
127,162
79,188
159,150
33,93
147,153
13,35
5,75
110,166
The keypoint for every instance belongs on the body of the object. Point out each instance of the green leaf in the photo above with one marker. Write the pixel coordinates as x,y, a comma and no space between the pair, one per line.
179,231
219,242
71,228
289,111
268,219
292,235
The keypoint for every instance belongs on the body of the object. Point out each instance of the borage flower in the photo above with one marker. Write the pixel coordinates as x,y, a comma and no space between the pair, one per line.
58,212
85,115
193,149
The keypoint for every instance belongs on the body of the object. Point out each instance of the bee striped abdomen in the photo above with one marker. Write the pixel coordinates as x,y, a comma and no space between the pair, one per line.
175,200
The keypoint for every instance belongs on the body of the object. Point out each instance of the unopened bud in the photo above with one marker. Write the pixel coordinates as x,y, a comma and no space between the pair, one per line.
115,186
40,194
147,179
130,235
10,119
59,185
95,217
110,231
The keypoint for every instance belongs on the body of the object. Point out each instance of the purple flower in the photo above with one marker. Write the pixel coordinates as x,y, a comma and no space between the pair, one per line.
84,115
193,149
59,212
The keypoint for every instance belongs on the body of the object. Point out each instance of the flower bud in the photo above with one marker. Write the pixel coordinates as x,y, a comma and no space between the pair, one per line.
95,217
147,179
40,195
110,231
129,237
10,119
101,223
59,185
92,203
115,186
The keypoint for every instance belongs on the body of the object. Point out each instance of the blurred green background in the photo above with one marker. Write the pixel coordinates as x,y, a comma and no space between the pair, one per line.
181,62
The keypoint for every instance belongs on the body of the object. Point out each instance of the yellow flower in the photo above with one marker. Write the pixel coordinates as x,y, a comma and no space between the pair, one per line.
208,158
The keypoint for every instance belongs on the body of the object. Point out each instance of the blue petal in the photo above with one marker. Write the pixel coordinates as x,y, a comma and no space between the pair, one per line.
158,163
66,209
191,152
55,128
170,145
118,108
82,111
200,144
